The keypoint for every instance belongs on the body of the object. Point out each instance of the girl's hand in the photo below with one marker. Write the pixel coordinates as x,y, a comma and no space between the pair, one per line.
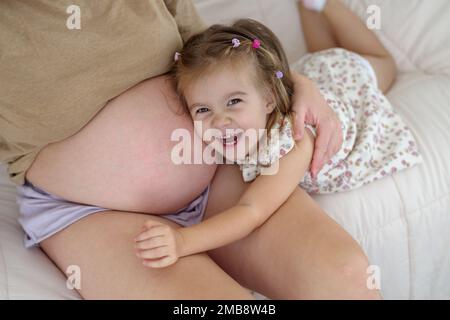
311,108
159,245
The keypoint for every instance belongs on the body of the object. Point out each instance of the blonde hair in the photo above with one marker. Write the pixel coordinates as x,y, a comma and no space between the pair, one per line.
211,48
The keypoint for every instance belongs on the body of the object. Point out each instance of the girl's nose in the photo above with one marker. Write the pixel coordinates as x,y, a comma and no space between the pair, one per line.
221,120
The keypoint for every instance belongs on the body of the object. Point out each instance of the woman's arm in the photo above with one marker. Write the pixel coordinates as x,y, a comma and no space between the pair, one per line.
310,107
264,196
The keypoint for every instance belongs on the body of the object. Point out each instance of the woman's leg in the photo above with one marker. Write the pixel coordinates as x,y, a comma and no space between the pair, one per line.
102,246
298,253
339,23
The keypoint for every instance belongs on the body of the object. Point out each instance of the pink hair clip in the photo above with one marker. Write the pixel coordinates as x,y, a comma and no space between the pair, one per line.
176,57
279,74
236,43
256,44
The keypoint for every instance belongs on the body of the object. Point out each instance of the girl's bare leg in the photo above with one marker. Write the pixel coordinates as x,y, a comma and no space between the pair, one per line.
102,246
317,30
298,253
348,32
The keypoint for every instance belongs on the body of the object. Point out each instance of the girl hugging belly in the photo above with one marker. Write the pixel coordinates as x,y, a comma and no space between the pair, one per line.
236,89
236,86
235,83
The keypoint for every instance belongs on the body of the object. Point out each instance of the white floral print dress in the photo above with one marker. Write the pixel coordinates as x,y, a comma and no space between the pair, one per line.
376,141
271,149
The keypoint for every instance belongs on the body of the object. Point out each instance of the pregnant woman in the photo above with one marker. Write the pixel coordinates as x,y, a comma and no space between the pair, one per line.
81,130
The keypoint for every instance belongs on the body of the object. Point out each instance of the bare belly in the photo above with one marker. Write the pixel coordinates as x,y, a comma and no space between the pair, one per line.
122,158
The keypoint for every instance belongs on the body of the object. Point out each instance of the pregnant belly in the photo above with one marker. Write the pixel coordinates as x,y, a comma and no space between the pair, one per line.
122,158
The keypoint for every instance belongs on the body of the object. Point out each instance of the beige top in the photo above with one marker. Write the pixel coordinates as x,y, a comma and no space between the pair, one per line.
53,79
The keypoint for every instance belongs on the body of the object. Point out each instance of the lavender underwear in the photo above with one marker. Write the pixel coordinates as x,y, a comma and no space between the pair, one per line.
43,214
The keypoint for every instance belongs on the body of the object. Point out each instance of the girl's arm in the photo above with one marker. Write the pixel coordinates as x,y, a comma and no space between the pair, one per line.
261,199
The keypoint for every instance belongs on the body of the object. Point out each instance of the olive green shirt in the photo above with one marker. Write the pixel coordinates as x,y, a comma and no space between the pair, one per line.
55,78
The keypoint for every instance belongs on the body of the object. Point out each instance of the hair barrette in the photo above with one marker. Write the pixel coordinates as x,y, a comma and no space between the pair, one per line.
236,43
176,57
279,74
256,44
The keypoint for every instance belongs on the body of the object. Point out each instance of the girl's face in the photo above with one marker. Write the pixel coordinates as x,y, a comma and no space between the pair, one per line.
229,99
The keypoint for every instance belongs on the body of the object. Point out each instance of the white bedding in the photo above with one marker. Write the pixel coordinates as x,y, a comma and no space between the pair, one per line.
402,222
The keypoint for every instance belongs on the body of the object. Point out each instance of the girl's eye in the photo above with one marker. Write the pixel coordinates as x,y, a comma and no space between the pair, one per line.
233,102
202,110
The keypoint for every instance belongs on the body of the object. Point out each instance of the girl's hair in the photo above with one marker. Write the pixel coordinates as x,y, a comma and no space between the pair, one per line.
211,48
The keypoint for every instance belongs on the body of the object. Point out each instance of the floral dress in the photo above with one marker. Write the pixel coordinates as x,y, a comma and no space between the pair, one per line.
270,150
376,141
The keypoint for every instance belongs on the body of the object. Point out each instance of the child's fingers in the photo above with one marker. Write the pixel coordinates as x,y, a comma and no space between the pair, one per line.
154,253
153,242
159,263
152,223
153,232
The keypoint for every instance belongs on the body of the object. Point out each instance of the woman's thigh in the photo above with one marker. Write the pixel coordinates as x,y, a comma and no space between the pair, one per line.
299,252
102,246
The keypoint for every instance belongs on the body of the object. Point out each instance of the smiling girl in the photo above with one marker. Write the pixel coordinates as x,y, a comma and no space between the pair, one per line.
234,80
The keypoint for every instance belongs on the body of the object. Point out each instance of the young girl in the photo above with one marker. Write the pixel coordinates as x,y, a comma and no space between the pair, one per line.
236,79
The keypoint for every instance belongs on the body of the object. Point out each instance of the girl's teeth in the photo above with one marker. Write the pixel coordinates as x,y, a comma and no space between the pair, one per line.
228,140
231,141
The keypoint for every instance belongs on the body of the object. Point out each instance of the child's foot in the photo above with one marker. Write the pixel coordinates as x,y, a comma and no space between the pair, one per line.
315,5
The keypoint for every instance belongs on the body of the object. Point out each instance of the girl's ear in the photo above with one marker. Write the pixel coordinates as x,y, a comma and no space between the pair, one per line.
270,105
